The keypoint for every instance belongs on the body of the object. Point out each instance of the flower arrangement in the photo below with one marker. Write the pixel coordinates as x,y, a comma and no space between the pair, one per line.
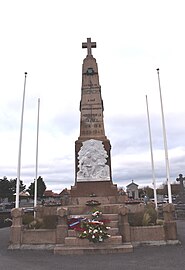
96,214
95,229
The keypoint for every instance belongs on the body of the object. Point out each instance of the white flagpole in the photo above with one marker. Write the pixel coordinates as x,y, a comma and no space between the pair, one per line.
165,144
36,170
20,147
151,151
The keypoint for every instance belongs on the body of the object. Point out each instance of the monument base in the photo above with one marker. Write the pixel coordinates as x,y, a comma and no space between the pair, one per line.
96,188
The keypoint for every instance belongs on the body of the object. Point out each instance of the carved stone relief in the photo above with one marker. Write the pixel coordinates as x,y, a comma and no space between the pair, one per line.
92,162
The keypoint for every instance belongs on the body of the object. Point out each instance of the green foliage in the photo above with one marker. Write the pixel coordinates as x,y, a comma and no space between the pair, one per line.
5,191
159,222
13,183
50,222
94,231
27,219
30,223
146,191
41,187
47,222
152,213
36,224
8,188
147,217
135,219
31,189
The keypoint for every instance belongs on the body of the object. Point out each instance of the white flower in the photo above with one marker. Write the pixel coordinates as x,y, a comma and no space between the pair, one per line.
95,231
93,236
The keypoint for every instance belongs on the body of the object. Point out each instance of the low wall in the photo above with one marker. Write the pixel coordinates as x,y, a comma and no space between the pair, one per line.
138,234
41,236
19,235
147,233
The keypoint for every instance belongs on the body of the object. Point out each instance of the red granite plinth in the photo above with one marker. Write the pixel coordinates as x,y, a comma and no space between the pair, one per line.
99,188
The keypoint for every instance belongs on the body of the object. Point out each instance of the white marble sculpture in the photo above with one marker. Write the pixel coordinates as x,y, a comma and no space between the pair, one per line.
92,162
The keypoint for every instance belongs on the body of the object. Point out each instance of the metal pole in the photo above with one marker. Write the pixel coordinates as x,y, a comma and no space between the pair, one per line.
165,144
20,147
36,169
151,151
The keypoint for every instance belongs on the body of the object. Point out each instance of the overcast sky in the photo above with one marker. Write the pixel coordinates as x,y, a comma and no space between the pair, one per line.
44,38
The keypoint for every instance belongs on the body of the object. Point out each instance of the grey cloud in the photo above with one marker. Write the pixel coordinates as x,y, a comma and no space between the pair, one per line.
132,132
9,121
128,136
66,123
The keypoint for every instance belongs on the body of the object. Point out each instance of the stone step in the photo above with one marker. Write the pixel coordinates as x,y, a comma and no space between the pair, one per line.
113,224
105,208
111,217
102,200
114,240
96,249
72,233
103,216
113,231
75,241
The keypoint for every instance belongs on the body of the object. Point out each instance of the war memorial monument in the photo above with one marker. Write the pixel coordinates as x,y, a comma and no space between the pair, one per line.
93,193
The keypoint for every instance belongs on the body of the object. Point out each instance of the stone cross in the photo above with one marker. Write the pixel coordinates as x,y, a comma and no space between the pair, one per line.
89,45
181,179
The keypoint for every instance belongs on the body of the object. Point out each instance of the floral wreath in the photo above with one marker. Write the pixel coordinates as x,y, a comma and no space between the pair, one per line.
95,229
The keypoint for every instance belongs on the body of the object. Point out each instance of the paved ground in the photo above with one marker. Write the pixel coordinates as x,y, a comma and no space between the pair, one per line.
143,258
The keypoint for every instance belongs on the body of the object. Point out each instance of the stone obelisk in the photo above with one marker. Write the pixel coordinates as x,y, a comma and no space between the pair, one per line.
92,149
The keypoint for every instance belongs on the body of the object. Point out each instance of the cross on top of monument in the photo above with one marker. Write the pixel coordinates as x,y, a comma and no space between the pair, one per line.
89,45
181,179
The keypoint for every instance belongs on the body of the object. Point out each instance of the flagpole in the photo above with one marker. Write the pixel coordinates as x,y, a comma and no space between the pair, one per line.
36,170
20,147
165,144
151,151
